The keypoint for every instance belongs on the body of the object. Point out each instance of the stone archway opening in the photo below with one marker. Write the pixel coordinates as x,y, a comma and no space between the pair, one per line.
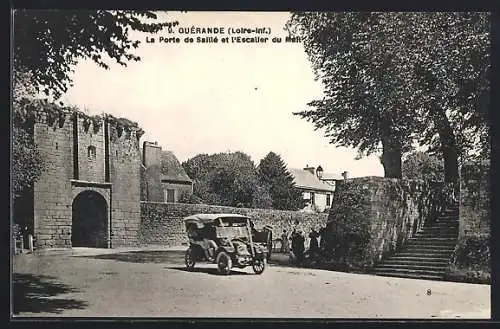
89,221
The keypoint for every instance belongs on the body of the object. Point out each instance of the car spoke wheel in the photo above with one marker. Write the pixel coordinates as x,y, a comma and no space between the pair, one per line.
259,265
189,259
224,263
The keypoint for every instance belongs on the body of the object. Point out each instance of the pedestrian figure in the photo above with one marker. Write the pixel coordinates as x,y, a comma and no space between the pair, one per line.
284,243
313,245
322,241
300,246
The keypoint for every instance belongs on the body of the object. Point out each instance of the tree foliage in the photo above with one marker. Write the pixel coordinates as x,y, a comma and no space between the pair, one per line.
365,98
27,162
452,66
273,173
228,179
397,78
48,43
423,166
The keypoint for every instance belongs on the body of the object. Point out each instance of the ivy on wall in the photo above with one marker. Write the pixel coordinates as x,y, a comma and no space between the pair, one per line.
348,225
32,109
473,251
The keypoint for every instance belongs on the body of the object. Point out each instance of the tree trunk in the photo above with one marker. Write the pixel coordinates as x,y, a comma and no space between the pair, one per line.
448,145
391,157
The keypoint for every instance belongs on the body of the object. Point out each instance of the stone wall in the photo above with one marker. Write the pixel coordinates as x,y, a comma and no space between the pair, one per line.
90,165
71,170
372,217
53,191
472,255
125,164
161,223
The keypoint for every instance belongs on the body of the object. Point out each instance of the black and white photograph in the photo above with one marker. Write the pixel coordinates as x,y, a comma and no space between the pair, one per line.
250,164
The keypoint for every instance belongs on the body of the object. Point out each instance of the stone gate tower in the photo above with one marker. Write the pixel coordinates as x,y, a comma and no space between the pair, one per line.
89,193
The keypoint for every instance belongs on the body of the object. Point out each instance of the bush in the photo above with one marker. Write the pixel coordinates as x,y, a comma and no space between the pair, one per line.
349,230
190,198
469,275
473,252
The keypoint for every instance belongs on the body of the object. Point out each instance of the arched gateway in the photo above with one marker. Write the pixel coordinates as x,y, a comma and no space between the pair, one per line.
89,220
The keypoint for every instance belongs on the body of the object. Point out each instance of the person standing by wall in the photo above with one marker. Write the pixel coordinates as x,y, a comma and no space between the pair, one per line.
300,247
313,245
285,248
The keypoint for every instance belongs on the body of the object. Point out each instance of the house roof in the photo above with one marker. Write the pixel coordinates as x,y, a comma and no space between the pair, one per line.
306,180
330,176
171,168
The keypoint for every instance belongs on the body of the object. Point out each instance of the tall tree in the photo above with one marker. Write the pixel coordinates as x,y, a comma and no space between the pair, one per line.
228,179
365,103
397,78
48,43
273,173
423,166
27,161
451,63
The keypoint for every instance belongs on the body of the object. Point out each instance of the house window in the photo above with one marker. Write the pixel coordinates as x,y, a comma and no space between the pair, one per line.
312,198
91,152
170,195
328,196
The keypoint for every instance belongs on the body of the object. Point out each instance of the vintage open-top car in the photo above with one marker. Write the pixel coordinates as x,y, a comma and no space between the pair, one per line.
229,240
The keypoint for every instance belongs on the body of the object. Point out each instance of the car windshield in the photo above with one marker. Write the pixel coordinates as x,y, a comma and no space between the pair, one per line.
232,228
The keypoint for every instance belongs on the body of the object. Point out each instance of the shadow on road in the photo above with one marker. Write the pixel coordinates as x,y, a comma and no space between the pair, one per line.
207,270
34,294
146,256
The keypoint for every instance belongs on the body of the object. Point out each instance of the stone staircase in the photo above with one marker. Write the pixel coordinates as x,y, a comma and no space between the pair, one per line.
426,255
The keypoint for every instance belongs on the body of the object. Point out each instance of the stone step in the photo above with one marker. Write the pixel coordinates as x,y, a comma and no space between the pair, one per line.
416,260
450,221
437,234
410,276
442,222
426,253
433,240
419,267
426,248
440,272
414,265
447,219
439,229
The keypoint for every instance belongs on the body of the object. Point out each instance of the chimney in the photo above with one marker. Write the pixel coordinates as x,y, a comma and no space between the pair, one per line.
310,169
151,154
319,172
345,174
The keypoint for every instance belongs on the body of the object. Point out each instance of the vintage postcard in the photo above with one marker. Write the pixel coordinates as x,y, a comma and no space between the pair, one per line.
330,165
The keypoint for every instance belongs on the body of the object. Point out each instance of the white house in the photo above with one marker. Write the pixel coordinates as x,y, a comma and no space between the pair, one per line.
317,192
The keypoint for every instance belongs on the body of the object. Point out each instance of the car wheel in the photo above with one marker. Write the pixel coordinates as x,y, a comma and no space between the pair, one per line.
224,263
259,266
189,259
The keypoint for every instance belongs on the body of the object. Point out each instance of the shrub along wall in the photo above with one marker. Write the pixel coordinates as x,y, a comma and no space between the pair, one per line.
471,258
161,223
372,217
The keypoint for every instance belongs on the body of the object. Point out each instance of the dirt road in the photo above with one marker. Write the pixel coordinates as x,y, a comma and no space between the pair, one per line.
154,284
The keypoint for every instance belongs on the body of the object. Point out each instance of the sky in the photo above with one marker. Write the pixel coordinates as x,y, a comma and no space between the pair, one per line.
215,97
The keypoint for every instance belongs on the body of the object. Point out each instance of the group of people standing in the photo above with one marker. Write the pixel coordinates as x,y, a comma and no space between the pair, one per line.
298,239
